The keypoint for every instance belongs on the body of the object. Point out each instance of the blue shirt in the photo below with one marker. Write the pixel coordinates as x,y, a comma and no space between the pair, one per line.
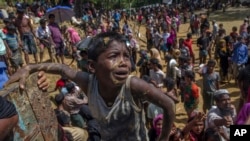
240,53
12,41
117,16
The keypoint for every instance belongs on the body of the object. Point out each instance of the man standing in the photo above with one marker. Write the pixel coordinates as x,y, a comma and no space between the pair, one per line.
239,55
203,44
27,35
56,36
211,81
222,115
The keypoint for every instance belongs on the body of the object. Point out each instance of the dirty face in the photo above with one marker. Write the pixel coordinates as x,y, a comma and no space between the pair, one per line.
198,127
113,65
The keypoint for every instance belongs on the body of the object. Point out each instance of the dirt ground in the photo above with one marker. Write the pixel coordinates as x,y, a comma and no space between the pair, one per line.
233,17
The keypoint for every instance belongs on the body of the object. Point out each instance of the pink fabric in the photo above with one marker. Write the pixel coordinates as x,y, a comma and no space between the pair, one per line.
74,36
156,119
168,20
243,114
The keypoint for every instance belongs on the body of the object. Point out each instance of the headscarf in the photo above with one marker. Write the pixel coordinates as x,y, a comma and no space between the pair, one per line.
155,54
243,114
74,36
156,119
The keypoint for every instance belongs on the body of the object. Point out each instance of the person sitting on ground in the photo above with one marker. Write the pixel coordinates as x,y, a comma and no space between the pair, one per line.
72,103
68,131
114,96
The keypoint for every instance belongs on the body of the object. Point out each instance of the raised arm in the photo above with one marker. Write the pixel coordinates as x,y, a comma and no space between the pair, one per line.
142,90
81,78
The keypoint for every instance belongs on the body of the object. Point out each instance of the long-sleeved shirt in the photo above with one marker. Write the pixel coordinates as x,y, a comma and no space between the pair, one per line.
240,53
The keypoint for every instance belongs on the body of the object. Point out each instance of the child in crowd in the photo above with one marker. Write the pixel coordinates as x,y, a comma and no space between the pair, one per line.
155,131
156,72
211,80
171,91
12,45
190,93
211,134
194,130
45,41
143,63
72,103
176,135
115,97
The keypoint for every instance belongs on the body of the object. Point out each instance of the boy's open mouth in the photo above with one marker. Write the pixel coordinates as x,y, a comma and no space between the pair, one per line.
121,74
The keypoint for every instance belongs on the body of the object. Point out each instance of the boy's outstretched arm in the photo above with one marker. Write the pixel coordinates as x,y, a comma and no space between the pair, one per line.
80,78
142,90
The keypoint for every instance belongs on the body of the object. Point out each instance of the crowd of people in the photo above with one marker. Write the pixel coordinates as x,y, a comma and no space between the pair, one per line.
103,101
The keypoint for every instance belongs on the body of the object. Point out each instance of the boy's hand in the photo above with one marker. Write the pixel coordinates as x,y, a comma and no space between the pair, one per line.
21,76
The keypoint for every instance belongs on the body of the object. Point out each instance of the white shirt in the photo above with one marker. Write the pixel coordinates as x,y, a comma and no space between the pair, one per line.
43,33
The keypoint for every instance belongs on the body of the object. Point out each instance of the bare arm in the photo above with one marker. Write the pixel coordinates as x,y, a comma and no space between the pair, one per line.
80,78
141,89
31,28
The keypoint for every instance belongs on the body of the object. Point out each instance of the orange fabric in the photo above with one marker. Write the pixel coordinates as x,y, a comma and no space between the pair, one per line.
195,91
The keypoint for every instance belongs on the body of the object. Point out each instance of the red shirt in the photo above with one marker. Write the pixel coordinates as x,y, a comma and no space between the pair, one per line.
60,83
188,43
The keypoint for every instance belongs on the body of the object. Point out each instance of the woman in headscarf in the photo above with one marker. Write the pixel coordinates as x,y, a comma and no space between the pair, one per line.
155,131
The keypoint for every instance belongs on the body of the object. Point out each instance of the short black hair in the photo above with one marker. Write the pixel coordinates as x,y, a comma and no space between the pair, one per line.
70,87
11,28
59,98
190,74
211,133
51,16
169,83
101,42
20,10
6,20
212,62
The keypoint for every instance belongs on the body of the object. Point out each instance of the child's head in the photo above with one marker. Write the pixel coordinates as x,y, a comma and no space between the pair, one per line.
210,65
6,21
109,58
177,135
211,135
70,87
84,54
157,123
234,29
189,76
11,29
154,64
169,83
59,99
198,126
189,35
